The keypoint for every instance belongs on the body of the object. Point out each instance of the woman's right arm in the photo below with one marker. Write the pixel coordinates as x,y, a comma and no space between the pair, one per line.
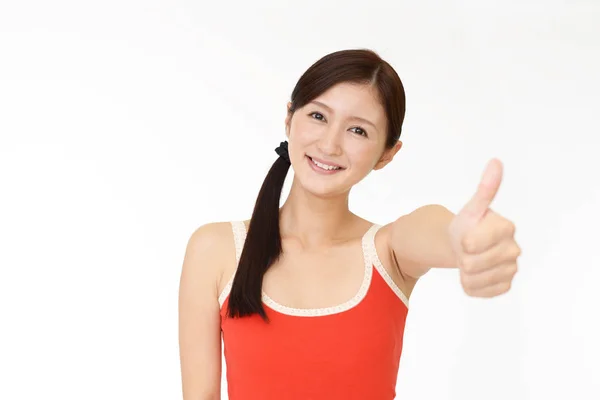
199,319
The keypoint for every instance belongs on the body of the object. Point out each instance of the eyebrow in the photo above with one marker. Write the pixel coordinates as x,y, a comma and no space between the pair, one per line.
366,121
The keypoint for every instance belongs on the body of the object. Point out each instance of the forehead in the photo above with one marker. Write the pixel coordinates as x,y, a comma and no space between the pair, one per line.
355,100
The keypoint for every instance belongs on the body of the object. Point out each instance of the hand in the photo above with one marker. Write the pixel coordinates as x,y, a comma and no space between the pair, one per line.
483,241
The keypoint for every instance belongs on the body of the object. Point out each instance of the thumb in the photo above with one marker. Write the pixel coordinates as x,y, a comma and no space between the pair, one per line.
476,208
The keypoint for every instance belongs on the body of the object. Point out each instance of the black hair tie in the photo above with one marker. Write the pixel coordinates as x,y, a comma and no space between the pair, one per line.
282,150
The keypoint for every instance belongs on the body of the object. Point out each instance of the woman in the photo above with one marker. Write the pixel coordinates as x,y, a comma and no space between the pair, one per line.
311,299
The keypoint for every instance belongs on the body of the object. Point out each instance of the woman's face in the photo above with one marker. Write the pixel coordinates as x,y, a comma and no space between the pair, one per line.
345,128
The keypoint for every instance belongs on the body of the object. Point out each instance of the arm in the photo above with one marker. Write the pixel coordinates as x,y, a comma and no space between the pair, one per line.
199,319
477,240
420,240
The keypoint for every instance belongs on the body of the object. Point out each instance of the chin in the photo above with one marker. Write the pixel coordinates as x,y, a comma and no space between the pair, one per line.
322,187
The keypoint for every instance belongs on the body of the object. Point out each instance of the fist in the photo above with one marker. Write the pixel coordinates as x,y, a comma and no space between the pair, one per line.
484,241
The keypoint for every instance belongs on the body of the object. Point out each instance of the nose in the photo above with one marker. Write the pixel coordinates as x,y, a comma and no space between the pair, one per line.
330,142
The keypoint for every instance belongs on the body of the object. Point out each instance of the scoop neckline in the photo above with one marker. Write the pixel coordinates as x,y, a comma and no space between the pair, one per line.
366,241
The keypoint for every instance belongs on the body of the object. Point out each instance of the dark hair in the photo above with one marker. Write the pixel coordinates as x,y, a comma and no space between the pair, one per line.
263,242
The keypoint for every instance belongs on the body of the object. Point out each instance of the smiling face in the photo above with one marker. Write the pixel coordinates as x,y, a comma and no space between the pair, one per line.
338,139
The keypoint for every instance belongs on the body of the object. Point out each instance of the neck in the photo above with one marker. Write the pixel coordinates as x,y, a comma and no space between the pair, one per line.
314,221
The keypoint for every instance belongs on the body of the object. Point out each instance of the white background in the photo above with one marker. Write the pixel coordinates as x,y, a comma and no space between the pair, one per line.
126,124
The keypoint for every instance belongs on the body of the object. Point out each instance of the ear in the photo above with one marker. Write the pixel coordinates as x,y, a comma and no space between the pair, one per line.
288,119
388,156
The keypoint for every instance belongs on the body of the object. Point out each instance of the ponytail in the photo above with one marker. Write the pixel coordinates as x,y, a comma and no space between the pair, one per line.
263,243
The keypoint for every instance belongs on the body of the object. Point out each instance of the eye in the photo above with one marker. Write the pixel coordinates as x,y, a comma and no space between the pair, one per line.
317,115
360,131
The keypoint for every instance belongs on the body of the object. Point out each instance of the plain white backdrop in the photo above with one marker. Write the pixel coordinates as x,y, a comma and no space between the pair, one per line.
126,124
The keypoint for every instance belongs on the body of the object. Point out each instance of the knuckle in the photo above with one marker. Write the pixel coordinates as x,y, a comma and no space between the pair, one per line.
510,227
518,251
512,270
505,287
510,252
468,284
468,265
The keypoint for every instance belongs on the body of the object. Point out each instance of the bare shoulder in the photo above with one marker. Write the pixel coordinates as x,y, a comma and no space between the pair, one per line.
207,254
210,252
211,234
389,262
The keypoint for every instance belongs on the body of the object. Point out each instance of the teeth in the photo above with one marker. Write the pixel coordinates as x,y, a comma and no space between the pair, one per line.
324,166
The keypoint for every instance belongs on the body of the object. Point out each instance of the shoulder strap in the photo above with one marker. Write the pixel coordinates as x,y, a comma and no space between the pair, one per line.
368,244
370,253
239,237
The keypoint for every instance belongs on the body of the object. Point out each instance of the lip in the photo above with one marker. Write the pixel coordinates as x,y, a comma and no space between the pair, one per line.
320,170
325,162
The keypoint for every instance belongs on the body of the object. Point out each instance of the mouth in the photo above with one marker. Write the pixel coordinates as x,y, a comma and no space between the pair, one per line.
323,168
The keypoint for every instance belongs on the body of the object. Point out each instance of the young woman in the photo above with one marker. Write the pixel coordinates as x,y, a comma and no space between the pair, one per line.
310,299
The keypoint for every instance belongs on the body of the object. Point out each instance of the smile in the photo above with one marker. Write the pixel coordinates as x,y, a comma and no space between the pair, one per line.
323,168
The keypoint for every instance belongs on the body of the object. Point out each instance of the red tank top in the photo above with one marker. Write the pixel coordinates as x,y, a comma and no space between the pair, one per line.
349,351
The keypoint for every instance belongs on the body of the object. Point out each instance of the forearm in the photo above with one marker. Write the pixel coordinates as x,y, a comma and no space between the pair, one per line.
421,240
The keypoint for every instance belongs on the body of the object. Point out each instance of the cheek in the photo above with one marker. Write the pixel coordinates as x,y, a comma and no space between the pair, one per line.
362,158
304,131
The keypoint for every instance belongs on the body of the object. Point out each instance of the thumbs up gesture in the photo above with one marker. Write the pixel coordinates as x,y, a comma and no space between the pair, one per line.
483,241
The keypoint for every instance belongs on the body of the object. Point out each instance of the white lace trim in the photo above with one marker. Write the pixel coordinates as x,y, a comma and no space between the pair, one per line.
372,254
239,237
